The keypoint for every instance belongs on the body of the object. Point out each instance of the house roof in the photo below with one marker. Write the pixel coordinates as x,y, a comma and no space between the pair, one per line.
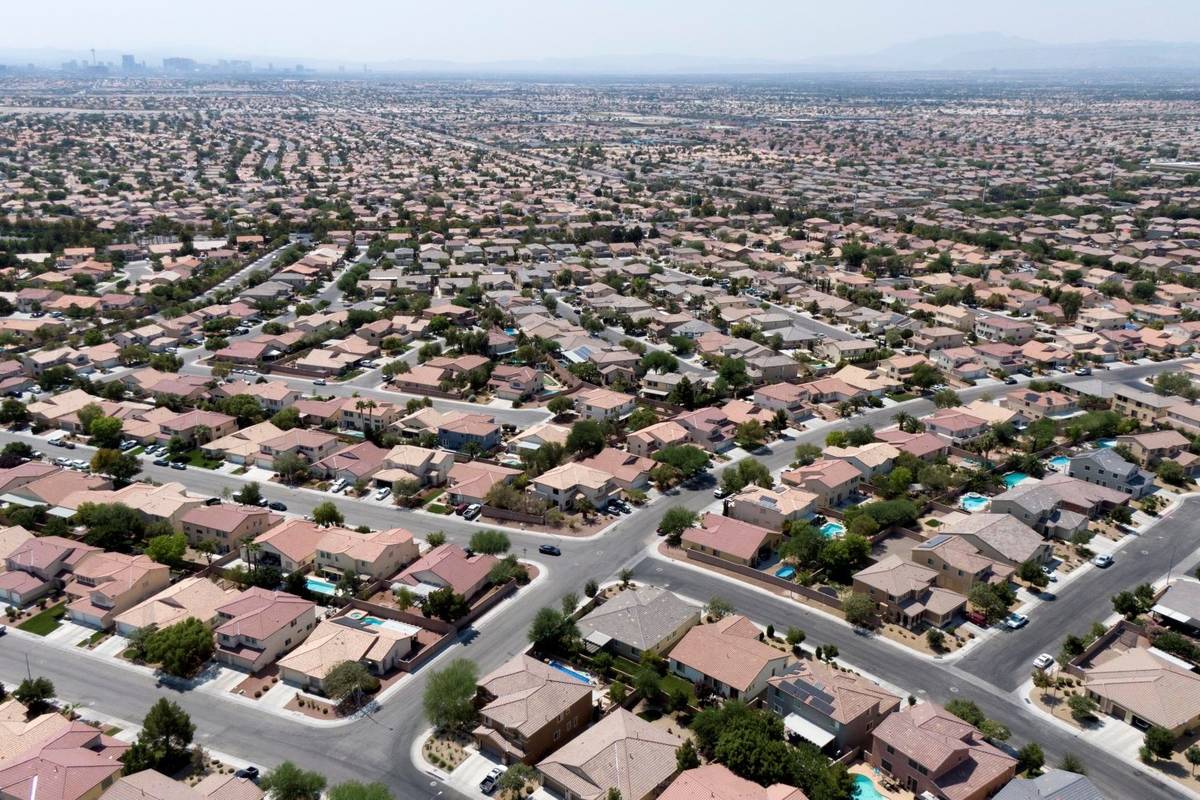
1150,686
527,694
1053,784
258,613
641,617
191,597
728,651
841,696
728,535
717,782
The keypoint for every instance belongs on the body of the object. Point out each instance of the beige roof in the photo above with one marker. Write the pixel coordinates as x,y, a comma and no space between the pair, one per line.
528,694
191,597
18,735
851,695
11,538
895,576
728,651
571,476
1153,688
717,782
334,642
621,751
245,443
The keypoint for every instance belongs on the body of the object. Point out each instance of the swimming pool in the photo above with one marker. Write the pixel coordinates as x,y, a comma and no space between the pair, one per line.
831,530
319,585
372,621
973,502
787,573
1013,478
864,789
1107,443
579,676
1060,463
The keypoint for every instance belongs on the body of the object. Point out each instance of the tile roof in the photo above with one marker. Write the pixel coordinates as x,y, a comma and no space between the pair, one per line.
621,751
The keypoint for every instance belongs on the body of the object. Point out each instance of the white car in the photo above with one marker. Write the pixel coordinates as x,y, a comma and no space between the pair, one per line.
382,493
1103,561
1043,662
1014,621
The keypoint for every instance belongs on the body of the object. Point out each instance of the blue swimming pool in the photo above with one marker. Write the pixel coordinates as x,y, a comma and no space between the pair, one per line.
320,585
864,789
1013,478
831,530
372,621
1107,443
973,502
1060,463
787,573
563,668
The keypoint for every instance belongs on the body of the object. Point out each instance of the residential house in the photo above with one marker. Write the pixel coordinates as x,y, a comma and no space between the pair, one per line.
311,446
1154,447
371,556
470,482
573,485
105,584
1038,405
258,626
448,566
731,539
1053,784
958,564
288,547
833,480
622,751
825,705
378,647
191,597
1104,467
602,404
1058,505
1144,686
628,471
907,593
718,782
1001,537
770,508
728,657
638,620
226,526
406,462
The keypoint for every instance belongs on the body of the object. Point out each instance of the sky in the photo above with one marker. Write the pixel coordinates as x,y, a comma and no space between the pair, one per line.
471,31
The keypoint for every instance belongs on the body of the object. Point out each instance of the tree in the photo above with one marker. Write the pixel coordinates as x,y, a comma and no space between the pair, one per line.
291,468
115,464
1072,763
1031,759
648,684
514,779
936,639
859,610
167,549
946,398
1082,707
106,432
327,513
87,415
163,742
674,522
795,637
250,494
445,604
1172,472
1192,754
13,412
245,407
925,375
559,405
449,698
354,790
659,361
35,694
552,630
686,757
988,601
110,526
1031,572
586,438
718,608
290,782
686,458
286,419
1159,741
750,435
349,680
489,542
181,649
436,539
642,416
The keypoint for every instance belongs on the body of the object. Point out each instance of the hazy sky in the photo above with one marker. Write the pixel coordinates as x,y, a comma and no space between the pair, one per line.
358,31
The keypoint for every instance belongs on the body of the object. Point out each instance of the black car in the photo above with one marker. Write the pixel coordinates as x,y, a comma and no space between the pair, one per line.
213,501
550,550
249,773
275,505
161,462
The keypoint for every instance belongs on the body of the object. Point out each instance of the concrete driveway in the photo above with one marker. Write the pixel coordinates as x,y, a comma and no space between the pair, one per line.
469,773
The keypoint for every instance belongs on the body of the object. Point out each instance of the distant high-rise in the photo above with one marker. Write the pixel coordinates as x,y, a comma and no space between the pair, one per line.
128,63
179,64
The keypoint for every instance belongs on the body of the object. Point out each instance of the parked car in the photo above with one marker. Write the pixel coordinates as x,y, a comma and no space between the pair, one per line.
1010,380
1083,372
178,465
1050,573
1014,621
213,501
249,773
473,511
162,462
383,493
1103,561
460,508
275,505
549,550
262,502
720,492
3,629
319,382
491,780
1043,662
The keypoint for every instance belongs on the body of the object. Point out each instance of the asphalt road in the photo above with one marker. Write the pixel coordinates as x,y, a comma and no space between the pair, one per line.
379,747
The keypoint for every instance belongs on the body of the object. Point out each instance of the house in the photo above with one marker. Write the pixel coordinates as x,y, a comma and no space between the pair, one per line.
406,462
1053,784
358,462
288,547
956,425
196,427
1146,407
717,782
1153,447
832,480
1106,468
628,471
876,458
621,751
731,539
1179,606
1144,686
1038,405
927,749
790,398
958,564
907,593
191,597
515,383
728,657
448,566
602,404
258,626
575,486
226,526
1000,537
372,556
638,620
38,566
925,445
479,431
1058,505
79,763
378,647
105,584
770,508
825,705
470,482
528,708
995,328
242,447
311,446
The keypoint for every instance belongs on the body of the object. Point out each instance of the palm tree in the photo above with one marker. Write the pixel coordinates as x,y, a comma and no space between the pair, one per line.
252,551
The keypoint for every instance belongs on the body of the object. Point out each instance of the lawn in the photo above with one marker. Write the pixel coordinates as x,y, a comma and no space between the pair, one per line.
46,621
196,458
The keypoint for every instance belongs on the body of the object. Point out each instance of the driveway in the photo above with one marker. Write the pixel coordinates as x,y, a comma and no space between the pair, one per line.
469,773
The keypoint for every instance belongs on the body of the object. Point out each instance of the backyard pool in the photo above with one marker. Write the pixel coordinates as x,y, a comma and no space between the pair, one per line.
319,585
1060,463
579,676
864,789
831,530
787,573
973,502
1013,478
372,621
1107,443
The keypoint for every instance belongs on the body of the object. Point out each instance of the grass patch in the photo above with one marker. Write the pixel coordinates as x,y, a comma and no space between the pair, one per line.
137,451
900,397
673,682
45,622
95,639
349,376
437,508
196,458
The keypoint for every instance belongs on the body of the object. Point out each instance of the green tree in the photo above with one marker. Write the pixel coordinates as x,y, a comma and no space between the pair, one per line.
1031,759
688,459
1072,763
35,694
1083,708
674,522
110,526
286,419
750,435
552,630
250,494
13,412
946,398
642,416
1031,572
291,468
445,604
87,415
489,542
290,782
718,608
349,680
105,432
859,610
1192,754
514,780
167,549
586,438
686,757
1159,741
163,742
354,790
449,697
327,513
245,407
181,649
988,601
559,405
115,464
